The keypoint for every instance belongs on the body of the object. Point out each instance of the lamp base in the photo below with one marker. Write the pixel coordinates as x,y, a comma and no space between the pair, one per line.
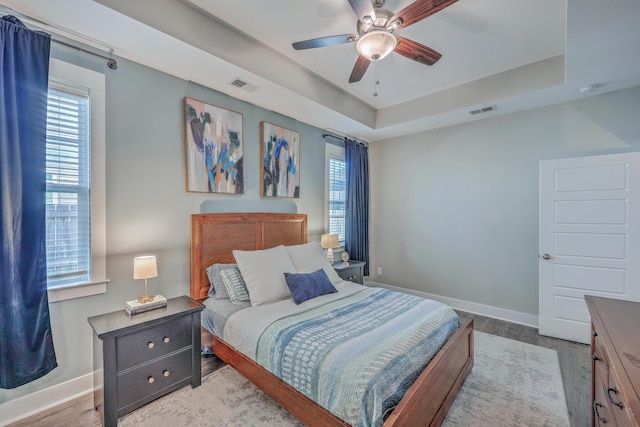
330,255
146,298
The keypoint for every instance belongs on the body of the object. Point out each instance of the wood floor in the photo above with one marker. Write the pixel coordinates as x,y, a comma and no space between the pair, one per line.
575,365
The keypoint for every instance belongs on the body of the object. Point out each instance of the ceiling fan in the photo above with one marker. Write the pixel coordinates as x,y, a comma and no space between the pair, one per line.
375,38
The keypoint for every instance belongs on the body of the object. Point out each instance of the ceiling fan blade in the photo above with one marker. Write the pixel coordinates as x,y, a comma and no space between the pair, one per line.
363,8
416,51
359,69
324,41
419,10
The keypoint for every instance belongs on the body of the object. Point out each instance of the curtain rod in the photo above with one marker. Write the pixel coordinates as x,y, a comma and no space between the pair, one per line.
324,135
111,63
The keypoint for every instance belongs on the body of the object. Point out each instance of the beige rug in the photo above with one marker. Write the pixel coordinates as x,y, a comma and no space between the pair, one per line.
512,384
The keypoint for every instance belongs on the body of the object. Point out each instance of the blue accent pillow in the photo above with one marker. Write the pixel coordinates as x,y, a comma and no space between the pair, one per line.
309,285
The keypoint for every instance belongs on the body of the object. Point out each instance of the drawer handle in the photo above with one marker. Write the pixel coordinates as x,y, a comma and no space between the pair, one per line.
594,357
615,390
166,373
150,344
594,333
597,405
151,380
165,340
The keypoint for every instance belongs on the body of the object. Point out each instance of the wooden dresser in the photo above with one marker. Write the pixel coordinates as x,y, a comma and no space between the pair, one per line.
615,367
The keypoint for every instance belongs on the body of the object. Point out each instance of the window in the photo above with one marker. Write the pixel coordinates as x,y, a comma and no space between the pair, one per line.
336,191
68,184
75,168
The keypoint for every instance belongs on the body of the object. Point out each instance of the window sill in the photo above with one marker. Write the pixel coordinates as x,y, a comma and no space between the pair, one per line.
78,290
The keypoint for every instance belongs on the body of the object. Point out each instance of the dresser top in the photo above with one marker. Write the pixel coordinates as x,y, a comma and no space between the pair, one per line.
118,322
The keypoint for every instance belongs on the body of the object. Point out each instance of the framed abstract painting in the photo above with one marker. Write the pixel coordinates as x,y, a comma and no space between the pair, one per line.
214,149
280,157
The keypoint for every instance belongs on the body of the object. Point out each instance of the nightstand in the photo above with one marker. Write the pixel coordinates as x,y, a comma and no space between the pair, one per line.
353,272
138,358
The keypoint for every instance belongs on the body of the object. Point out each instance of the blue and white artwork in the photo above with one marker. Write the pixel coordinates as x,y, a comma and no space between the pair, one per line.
214,148
280,153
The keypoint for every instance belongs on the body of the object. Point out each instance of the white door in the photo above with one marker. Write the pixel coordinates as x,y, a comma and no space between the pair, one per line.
589,238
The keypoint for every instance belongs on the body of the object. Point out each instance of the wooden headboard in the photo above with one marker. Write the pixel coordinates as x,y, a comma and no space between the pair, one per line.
215,236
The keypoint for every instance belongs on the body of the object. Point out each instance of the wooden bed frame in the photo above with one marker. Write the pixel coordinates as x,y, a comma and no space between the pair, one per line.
214,236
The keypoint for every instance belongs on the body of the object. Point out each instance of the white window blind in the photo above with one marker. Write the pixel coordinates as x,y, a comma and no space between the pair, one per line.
68,183
337,196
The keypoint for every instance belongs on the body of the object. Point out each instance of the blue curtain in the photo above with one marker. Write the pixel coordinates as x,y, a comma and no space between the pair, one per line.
357,216
26,345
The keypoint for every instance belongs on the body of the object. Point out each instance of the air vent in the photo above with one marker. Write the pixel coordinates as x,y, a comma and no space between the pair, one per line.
244,85
238,83
483,110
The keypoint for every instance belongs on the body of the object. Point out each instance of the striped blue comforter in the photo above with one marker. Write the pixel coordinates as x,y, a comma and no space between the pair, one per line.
357,356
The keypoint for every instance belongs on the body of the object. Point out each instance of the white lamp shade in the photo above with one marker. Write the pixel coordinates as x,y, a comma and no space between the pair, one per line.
329,241
145,267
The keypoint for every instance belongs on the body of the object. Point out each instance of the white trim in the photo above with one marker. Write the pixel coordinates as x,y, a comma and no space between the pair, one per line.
80,290
470,307
25,406
95,82
331,151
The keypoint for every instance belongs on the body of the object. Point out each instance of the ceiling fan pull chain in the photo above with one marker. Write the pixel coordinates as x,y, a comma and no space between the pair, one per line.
375,87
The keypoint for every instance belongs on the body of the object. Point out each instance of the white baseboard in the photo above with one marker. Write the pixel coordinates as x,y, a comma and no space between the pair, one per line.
470,307
25,406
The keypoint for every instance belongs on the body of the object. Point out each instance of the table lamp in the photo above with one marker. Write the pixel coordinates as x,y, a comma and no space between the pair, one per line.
145,267
328,242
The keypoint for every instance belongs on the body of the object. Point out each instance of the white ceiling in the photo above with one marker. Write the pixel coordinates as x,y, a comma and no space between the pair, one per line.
476,38
514,54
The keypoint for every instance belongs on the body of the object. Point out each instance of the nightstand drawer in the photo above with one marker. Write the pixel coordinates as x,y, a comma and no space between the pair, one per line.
352,271
143,381
353,274
142,346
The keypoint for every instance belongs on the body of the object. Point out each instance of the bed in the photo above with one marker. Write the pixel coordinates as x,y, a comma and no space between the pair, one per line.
214,237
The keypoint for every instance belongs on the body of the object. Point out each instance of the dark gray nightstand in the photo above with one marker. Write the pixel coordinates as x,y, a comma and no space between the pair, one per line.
138,358
353,272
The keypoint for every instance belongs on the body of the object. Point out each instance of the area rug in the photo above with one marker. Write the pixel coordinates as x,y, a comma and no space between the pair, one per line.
512,384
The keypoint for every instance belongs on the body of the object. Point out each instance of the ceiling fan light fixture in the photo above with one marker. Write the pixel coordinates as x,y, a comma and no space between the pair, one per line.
376,44
395,24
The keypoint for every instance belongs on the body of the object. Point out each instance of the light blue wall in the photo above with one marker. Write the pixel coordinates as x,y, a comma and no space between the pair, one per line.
455,210
148,209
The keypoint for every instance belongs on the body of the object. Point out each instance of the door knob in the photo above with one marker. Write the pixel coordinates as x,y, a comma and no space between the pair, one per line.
546,256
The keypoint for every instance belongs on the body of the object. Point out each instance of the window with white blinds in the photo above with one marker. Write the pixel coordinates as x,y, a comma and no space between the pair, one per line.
337,172
68,183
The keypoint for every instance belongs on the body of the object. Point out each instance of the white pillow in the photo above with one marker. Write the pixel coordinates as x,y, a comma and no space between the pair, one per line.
310,257
263,273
